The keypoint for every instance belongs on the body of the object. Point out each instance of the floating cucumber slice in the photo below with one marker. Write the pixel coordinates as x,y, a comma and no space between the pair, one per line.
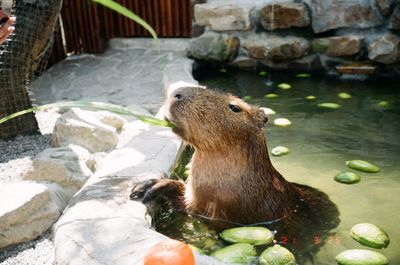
362,165
277,255
252,235
347,177
370,235
240,253
361,257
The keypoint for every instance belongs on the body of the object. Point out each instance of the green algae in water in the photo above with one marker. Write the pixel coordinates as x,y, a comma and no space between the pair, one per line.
252,235
370,235
361,257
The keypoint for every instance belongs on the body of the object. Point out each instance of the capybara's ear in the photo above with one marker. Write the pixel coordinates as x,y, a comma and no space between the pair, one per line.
260,117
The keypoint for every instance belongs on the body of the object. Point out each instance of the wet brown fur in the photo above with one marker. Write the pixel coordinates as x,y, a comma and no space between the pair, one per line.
231,177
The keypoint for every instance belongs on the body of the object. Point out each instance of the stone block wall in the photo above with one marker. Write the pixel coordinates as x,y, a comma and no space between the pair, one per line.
301,35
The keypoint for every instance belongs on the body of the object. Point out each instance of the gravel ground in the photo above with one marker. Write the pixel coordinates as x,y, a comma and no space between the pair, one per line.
39,251
15,158
16,155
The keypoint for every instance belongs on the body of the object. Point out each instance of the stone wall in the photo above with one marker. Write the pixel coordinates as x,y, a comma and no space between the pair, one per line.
302,35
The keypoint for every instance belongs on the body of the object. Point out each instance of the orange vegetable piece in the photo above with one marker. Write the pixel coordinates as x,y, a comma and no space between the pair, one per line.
170,252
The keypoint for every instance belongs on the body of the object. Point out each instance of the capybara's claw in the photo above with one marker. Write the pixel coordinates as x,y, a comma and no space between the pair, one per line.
139,189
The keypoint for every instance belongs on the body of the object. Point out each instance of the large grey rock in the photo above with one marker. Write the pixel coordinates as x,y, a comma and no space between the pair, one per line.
66,166
28,209
223,16
213,47
385,6
333,14
87,129
338,46
394,21
385,49
276,48
101,225
284,15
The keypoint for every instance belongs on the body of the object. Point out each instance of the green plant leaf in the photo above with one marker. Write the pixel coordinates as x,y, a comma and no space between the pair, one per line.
126,12
92,105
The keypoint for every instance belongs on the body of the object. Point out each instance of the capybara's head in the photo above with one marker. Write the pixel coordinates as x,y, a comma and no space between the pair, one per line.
212,120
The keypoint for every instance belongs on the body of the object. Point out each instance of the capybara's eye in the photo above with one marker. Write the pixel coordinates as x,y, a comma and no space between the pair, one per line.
235,108
178,96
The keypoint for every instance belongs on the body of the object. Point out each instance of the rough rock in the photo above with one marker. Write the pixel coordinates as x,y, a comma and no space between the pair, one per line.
394,21
213,47
85,128
333,14
284,15
338,46
66,166
223,17
28,209
385,6
243,62
276,48
385,49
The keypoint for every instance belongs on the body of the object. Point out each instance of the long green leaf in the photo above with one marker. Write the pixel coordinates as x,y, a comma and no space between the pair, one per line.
126,12
93,105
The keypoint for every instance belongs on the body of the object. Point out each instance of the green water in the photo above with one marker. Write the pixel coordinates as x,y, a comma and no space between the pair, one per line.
321,141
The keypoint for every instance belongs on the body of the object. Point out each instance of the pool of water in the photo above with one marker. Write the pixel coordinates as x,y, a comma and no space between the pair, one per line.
320,142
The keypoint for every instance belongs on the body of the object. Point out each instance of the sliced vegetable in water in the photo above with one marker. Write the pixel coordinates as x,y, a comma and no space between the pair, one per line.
347,177
262,73
223,70
247,98
277,255
361,257
328,105
344,95
93,105
280,151
303,75
282,122
362,165
268,111
370,235
239,253
311,97
383,104
252,235
271,95
284,86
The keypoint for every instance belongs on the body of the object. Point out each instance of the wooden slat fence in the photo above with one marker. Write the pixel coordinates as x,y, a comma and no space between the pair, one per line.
87,26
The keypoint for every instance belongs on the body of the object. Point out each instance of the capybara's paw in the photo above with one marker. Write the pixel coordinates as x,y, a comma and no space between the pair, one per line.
139,189
150,189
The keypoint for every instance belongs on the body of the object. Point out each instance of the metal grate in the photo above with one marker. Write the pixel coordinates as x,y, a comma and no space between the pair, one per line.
23,57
